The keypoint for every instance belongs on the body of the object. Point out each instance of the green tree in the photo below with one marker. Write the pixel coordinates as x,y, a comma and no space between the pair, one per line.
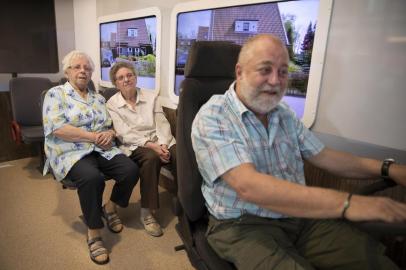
307,44
291,33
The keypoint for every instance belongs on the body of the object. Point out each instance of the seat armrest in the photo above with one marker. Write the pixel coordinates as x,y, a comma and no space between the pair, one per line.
383,229
375,187
16,132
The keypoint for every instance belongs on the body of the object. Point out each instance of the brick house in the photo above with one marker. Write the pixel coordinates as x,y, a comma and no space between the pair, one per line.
134,39
235,24
239,23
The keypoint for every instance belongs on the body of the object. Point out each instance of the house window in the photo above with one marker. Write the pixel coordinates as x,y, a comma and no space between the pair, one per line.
132,32
246,26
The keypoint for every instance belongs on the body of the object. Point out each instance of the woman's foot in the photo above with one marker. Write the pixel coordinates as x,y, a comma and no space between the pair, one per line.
98,253
113,220
151,226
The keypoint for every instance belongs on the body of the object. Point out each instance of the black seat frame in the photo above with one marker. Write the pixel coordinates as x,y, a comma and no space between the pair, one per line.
209,71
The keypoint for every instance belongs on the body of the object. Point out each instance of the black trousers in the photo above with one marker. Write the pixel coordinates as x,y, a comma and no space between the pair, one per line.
150,166
89,176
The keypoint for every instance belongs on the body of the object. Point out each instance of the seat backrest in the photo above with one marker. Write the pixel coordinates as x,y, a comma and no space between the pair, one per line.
25,94
108,92
209,70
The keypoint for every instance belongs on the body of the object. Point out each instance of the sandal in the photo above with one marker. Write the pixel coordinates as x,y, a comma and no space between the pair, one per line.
96,249
112,220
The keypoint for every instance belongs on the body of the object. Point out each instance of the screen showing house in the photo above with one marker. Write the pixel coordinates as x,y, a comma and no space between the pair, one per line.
294,22
133,41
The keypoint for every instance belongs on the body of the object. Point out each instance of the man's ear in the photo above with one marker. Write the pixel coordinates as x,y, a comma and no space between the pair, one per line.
238,71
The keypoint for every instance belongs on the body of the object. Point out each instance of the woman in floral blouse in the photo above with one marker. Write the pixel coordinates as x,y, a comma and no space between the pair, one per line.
79,144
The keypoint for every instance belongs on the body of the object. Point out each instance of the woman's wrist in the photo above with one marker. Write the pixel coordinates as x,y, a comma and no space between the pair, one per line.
148,143
93,137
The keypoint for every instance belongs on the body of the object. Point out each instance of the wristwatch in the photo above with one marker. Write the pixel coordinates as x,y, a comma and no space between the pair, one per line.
385,167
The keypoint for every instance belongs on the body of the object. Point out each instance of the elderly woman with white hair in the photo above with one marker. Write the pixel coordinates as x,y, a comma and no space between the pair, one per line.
79,144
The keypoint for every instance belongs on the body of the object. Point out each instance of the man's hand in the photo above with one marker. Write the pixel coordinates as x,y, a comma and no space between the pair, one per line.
398,173
364,208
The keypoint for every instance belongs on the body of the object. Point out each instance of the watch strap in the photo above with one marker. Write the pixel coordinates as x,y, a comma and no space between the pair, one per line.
385,167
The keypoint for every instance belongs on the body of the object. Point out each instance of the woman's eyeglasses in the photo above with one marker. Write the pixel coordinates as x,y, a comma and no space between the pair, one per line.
78,68
122,77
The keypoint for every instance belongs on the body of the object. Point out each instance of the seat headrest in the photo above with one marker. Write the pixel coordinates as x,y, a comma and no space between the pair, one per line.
108,92
25,96
212,59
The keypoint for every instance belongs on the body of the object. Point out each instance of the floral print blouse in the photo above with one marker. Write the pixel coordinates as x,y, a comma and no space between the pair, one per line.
64,106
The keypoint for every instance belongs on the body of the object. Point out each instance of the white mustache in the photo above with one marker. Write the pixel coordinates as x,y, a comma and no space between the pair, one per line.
270,89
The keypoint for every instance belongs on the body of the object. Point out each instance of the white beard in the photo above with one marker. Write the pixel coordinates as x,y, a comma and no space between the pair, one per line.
260,103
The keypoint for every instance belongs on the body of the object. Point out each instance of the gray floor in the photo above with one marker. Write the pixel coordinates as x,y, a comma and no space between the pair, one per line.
40,227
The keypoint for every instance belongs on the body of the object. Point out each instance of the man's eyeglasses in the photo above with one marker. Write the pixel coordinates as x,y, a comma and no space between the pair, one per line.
121,78
78,68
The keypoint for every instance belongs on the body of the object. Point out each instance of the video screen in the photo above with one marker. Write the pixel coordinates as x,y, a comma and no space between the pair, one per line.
134,41
294,22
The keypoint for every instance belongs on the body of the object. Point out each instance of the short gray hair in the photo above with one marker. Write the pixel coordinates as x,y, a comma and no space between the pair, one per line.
67,60
249,45
114,69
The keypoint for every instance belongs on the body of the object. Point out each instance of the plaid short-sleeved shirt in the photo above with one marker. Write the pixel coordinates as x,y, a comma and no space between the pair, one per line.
62,105
226,134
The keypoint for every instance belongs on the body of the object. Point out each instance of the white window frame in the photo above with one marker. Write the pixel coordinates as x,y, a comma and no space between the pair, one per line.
252,26
132,32
142,13
318,55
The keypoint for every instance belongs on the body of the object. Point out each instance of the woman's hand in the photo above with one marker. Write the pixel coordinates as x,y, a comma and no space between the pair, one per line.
166,155
104,139
106,147
161,150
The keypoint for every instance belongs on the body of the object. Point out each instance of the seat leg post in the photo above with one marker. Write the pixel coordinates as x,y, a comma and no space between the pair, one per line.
40,150
180,247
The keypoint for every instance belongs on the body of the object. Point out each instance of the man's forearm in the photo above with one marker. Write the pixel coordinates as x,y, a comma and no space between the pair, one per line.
297,200
346,165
